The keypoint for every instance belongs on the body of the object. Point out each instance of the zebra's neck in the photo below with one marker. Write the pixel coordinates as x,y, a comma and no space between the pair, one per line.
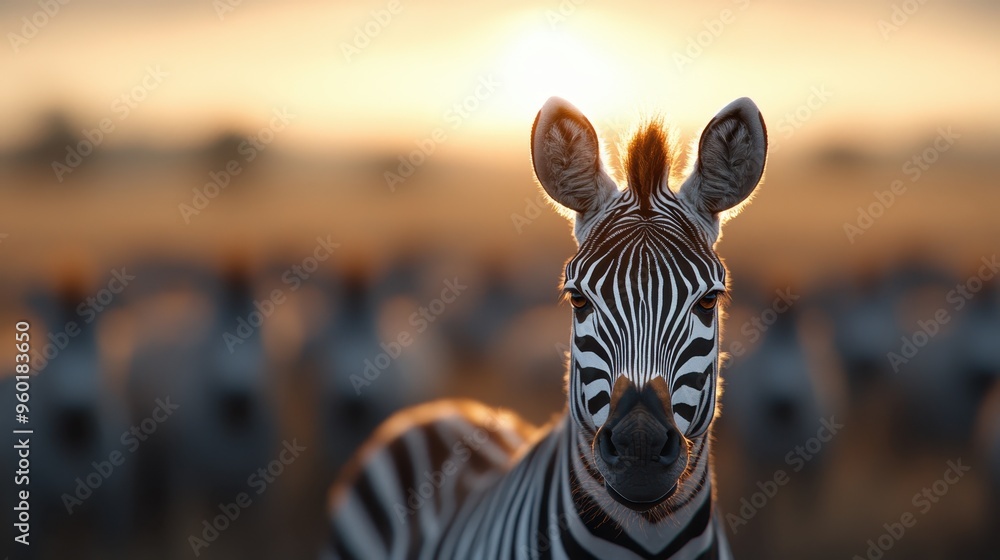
683,523
552,504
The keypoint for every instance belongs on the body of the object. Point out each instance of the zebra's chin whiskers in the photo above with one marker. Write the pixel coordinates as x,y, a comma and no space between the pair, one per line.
597,506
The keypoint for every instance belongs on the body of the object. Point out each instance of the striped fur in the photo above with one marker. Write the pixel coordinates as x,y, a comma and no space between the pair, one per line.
646,264
643,275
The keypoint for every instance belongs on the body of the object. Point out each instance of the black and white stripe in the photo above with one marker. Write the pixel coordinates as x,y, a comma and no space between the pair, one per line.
643,275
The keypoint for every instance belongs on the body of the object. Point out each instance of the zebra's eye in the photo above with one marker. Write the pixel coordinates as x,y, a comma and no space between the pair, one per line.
577,300
708,302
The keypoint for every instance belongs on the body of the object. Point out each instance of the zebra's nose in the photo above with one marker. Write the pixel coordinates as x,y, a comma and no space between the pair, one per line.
639,451
639,433
639,439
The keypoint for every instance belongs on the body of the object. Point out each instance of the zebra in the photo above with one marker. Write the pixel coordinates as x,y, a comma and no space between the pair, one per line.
625,471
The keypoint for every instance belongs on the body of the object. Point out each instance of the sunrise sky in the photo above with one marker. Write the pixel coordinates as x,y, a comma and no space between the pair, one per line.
230,66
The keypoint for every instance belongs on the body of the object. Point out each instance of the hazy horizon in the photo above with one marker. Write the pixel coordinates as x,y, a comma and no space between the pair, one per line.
853,72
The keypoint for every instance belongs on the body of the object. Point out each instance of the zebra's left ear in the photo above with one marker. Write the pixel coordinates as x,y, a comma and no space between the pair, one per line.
731,156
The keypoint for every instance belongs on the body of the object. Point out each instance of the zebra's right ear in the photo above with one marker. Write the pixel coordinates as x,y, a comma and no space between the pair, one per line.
566,155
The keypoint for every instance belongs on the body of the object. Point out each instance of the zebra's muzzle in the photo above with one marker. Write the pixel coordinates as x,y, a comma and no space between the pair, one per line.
639,451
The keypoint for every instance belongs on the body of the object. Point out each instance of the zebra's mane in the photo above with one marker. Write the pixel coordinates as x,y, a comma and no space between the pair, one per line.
648,160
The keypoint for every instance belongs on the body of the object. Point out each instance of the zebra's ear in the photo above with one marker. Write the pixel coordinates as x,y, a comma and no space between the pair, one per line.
566,155
731,156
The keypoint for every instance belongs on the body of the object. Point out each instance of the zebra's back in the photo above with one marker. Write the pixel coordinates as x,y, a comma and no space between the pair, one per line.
408,482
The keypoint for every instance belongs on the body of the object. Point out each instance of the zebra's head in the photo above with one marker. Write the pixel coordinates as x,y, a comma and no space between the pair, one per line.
644,287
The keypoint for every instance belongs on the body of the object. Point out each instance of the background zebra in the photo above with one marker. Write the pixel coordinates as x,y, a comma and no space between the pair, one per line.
626,472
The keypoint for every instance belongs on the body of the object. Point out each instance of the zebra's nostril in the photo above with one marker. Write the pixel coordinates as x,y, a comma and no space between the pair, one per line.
607,448
671,449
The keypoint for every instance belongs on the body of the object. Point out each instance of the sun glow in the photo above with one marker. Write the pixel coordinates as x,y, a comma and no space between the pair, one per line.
542,62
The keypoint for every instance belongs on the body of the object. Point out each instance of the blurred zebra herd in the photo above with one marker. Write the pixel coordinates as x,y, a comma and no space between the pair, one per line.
196,387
